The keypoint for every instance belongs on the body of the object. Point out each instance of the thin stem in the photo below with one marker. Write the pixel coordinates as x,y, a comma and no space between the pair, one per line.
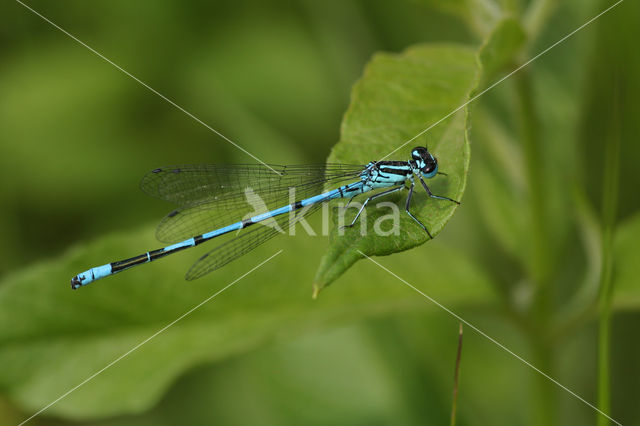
540,241
454,405
604,403
609,208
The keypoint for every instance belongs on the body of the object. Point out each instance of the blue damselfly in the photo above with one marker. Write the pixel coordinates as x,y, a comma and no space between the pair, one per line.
213,199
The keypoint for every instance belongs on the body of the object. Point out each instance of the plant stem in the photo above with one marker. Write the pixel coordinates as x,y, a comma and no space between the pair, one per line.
454,405
604,327
609,208
541,245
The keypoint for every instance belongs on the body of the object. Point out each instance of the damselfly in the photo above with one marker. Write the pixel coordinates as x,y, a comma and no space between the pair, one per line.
212,200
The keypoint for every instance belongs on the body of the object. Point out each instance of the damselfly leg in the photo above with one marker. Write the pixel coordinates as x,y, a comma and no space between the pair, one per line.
406,208
439,197
373,197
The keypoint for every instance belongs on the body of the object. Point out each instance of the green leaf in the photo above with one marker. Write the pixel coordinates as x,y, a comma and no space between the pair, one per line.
626,268
53,338
398,97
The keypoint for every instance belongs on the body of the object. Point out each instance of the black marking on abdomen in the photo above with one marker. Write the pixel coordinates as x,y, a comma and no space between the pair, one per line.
246,222
128,263
156,254
198,239
297,205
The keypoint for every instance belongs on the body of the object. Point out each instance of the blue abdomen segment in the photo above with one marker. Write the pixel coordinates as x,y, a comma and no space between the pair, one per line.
98,272
91,275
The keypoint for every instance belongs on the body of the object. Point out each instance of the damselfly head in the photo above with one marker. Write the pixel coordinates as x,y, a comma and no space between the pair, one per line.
426,162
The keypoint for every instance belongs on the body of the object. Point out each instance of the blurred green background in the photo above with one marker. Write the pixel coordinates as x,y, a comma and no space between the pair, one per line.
526,258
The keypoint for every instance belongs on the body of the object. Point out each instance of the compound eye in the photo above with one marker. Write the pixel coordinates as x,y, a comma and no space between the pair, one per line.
430,168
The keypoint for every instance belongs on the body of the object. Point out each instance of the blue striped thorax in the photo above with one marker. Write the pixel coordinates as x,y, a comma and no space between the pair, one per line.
382,174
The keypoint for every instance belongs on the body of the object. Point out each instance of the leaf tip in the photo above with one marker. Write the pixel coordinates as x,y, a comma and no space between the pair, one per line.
316,291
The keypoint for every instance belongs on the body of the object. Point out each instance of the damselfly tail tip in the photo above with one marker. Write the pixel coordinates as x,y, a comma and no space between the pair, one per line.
76,282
